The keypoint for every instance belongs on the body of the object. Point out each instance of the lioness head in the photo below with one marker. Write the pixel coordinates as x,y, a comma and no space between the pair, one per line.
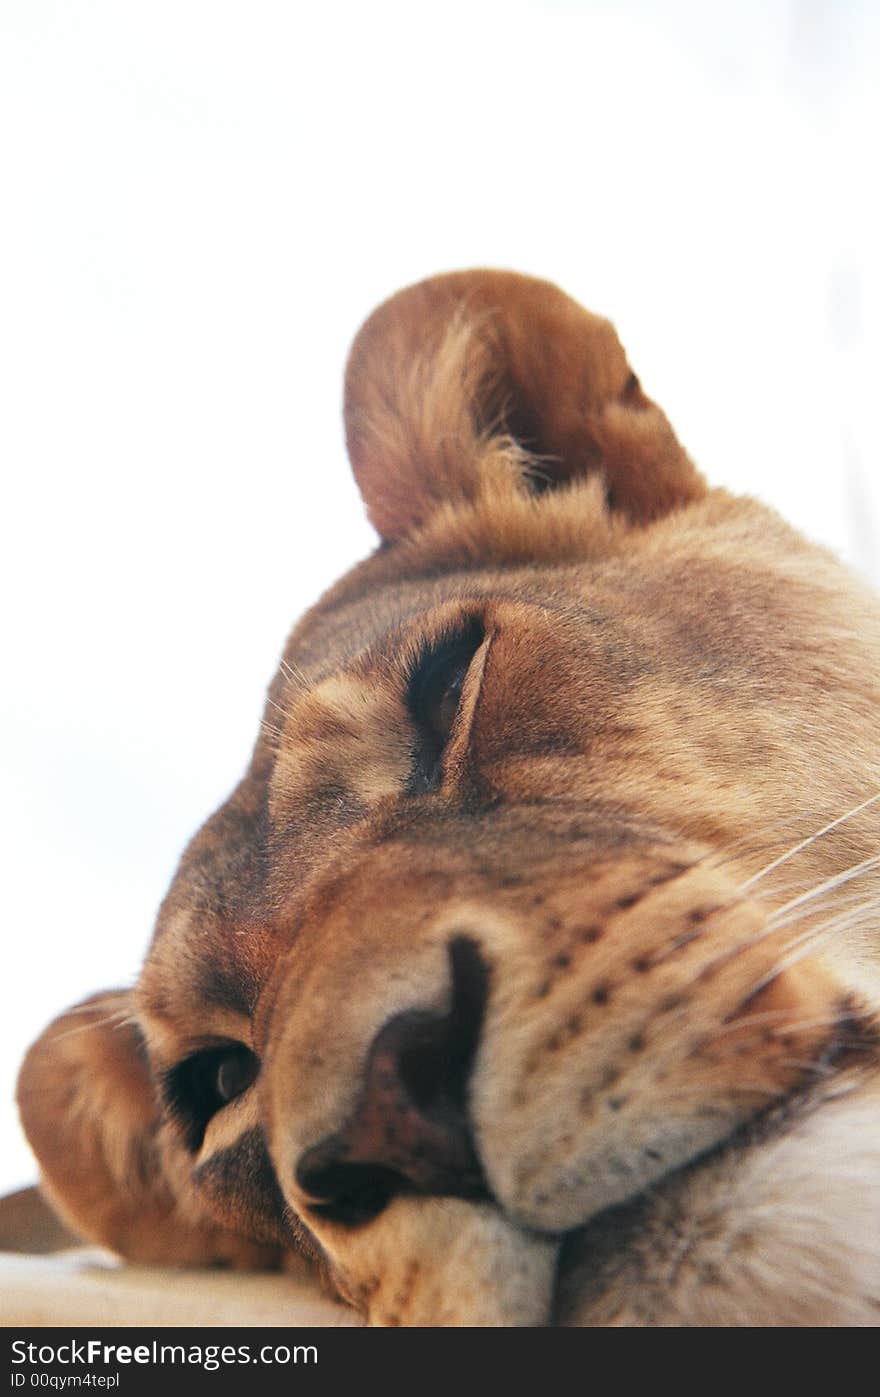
529,975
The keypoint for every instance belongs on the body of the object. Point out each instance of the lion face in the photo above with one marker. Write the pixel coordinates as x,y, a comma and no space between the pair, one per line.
513,959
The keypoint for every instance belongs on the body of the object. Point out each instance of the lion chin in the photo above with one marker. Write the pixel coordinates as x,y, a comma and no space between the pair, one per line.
531,974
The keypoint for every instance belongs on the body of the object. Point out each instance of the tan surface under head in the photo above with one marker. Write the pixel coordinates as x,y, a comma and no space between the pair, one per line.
48,1278
90,1287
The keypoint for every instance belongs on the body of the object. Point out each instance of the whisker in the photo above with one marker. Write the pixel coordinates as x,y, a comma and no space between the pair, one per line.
768,1017
111,1021
731,853
829,884
832,897
90,1008
283,711
747,1088
775,925
803,945
808,943
293,673
811,839
817,1068
851,917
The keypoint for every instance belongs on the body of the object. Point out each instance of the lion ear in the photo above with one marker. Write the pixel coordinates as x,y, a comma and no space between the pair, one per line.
112,1172
487,379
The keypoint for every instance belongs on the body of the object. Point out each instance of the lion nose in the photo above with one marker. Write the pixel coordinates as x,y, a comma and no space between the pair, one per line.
410,1129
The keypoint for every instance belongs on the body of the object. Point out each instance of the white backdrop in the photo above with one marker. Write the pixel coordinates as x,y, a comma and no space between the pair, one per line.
199,202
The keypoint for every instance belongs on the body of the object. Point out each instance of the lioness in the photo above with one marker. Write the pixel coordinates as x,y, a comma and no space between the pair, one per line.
530,975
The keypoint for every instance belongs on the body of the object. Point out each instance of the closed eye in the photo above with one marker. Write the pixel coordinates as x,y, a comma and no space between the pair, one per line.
434,699
203,1083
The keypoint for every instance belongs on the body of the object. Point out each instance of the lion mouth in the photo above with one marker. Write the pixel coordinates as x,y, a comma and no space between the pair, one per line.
420,1128
413,1131
411,1177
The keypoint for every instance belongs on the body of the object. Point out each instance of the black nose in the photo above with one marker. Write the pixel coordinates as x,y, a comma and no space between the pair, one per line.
410,1131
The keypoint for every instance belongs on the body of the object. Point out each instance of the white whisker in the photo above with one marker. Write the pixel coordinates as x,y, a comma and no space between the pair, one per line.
90,1008
293,673
844,921
855,910
829,884
816,1068
811,839
115,1021
831,897
283,711
768,1017
806,945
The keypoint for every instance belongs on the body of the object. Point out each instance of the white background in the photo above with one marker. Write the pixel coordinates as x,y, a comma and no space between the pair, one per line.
199,202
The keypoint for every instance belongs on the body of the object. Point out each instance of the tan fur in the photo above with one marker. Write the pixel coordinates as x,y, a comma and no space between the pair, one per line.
672,1095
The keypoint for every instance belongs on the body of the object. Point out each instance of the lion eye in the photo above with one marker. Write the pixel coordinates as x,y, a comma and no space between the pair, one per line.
440,694
435,697
200,1086
235,1072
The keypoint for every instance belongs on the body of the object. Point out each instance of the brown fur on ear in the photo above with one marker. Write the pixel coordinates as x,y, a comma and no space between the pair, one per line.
113,1174
483,379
